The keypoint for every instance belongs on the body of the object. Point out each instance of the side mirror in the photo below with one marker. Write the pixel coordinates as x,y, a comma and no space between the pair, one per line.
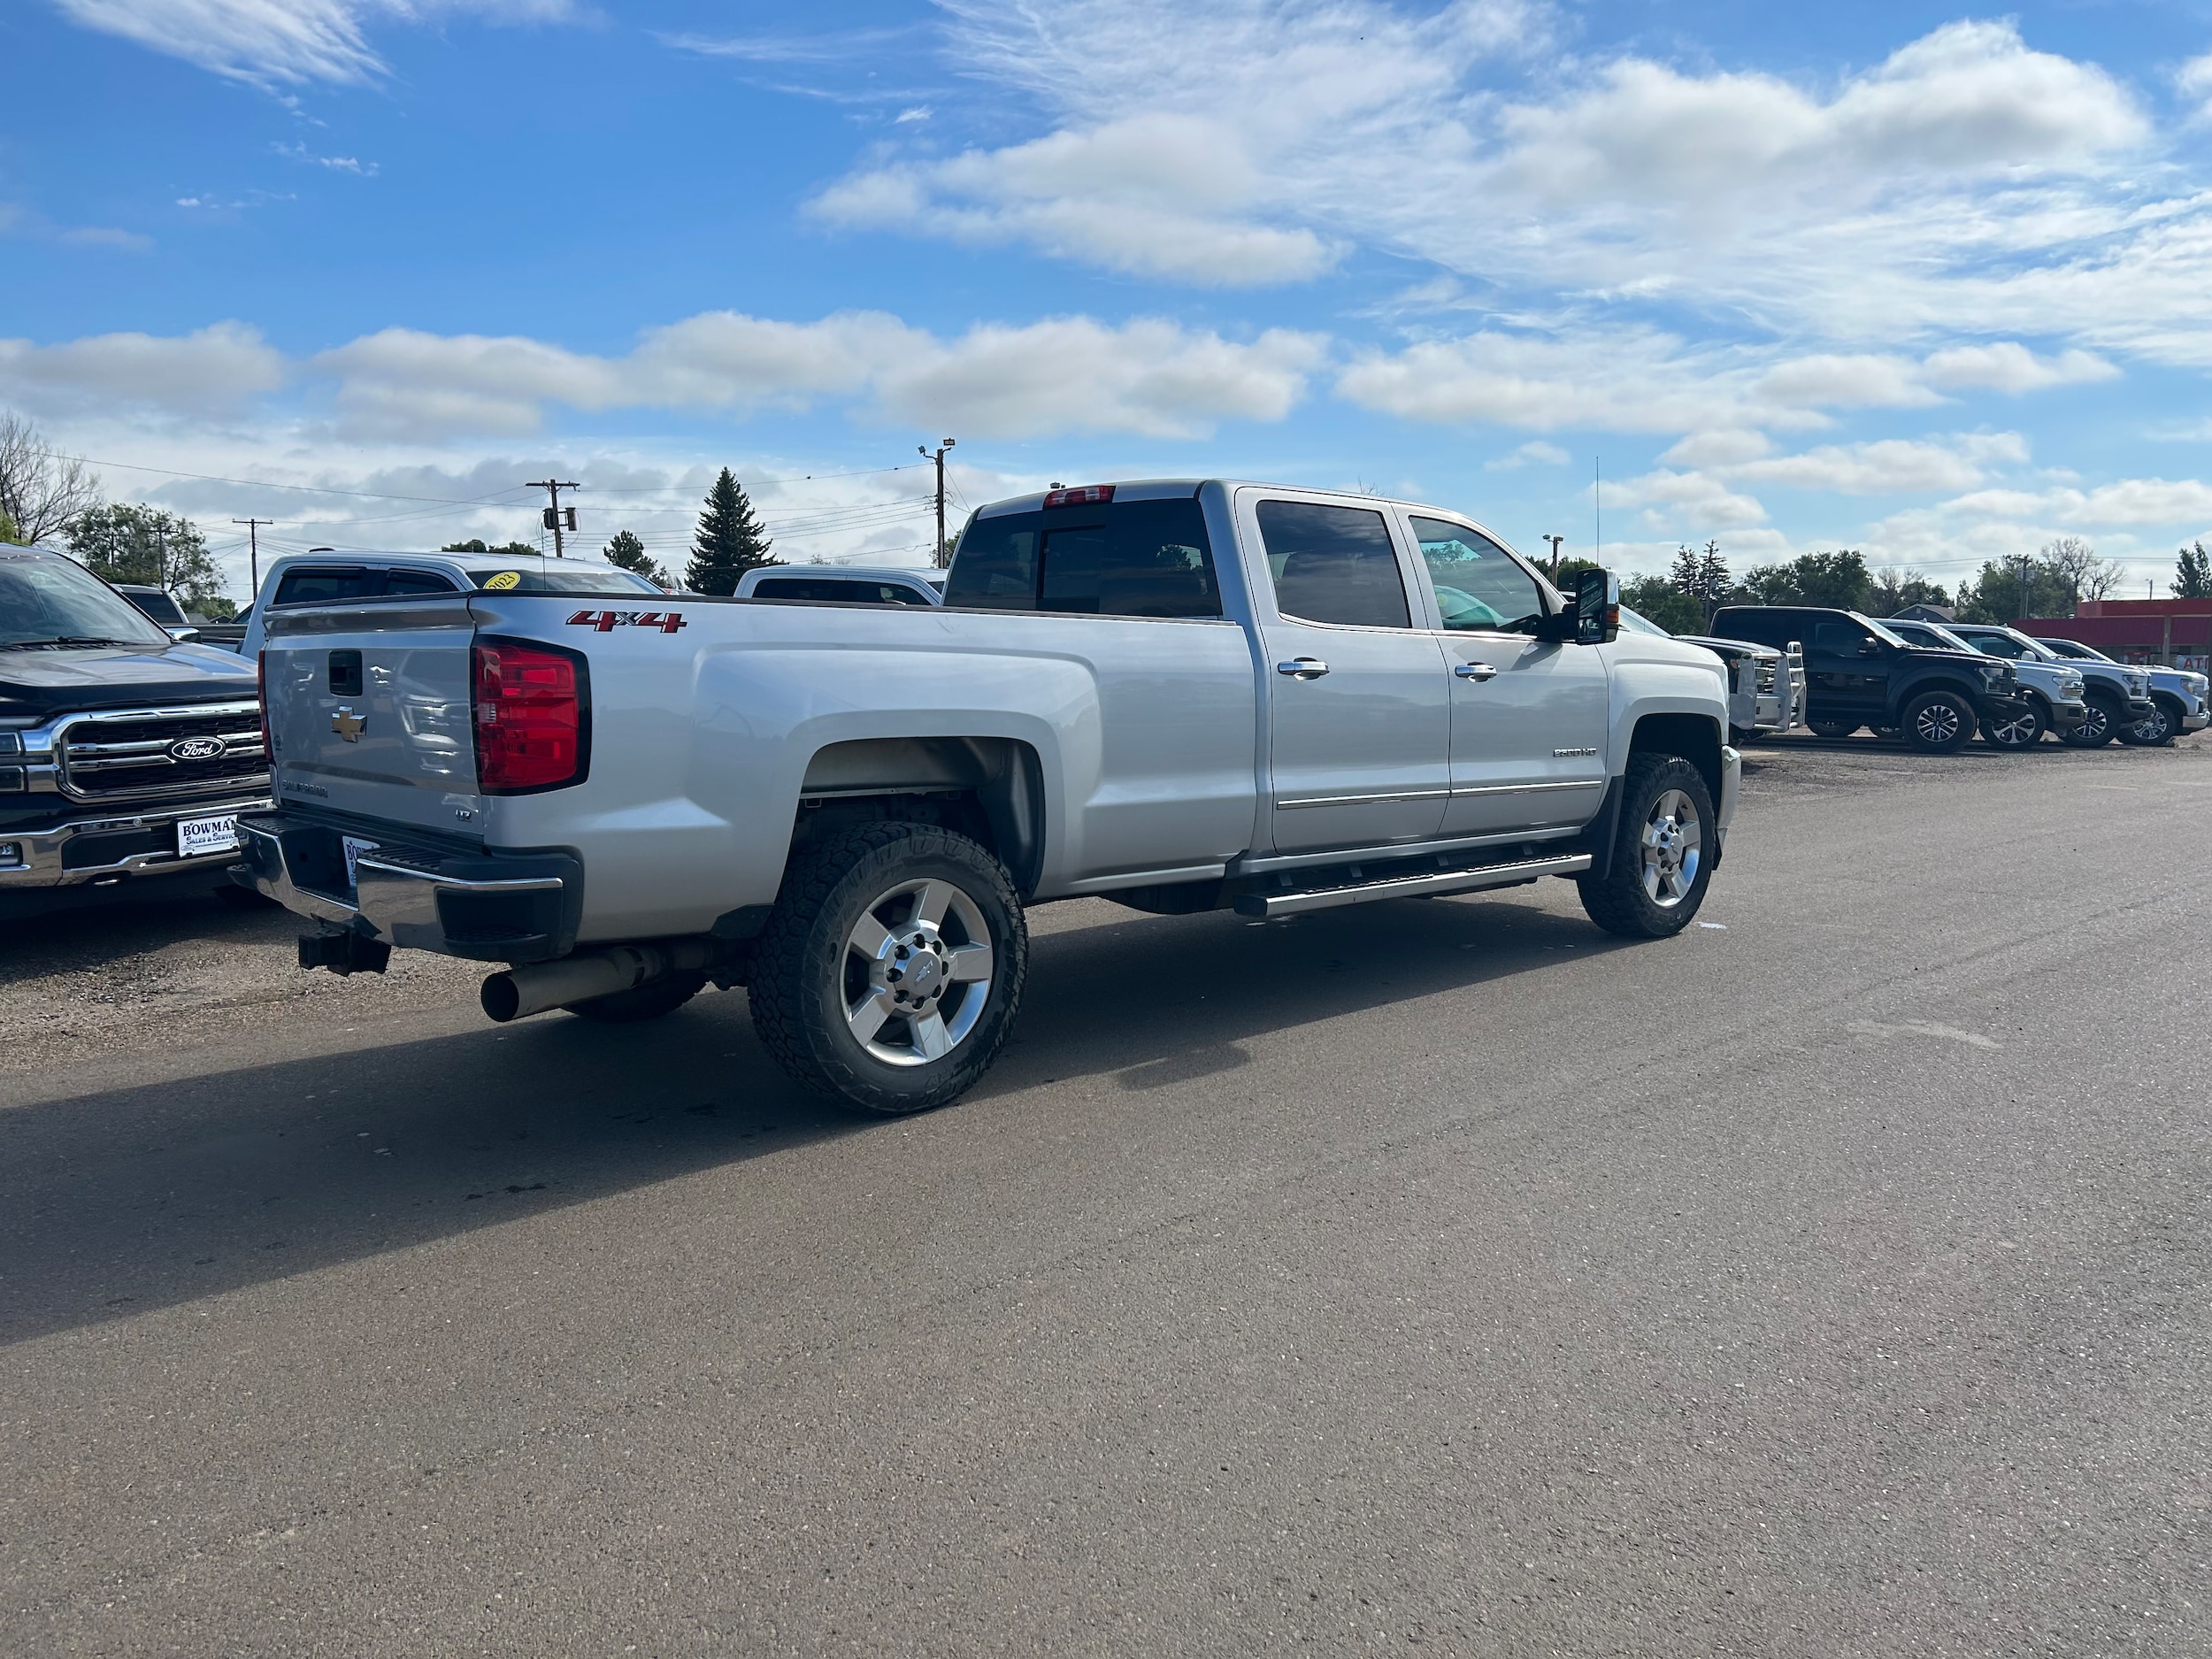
1870,648
1597,608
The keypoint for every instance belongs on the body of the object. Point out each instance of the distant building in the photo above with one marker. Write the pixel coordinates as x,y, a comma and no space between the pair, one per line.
1928,613
2175,632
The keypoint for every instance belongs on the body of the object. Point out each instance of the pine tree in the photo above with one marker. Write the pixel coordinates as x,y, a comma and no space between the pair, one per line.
629,553
1684,575
1713,581
2192,574
729,540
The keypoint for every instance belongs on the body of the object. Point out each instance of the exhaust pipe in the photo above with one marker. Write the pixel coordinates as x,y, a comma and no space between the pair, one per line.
540,986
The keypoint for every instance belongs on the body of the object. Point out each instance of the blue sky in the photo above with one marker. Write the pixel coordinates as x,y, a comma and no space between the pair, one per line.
1932,283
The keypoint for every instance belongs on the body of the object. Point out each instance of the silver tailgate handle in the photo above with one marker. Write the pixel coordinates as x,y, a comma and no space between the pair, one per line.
1476,670
1302,668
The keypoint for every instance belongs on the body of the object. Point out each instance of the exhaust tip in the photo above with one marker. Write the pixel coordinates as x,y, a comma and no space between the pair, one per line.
502,1000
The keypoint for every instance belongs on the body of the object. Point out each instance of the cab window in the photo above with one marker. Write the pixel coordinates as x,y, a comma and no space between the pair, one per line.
416,582
1839,639
326,584
1334,564
1478,585
1998,645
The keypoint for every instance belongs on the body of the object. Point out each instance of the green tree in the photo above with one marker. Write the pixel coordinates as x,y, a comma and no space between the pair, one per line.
2192,574
1656,599
629,553
511,549
9,533
1840,579
1894,590
728,543
2048,584
146,545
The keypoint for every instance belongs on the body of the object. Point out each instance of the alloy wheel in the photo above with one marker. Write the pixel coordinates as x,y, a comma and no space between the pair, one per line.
919,966
1672,846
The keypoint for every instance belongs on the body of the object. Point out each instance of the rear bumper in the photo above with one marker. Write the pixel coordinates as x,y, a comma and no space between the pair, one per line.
488,906
112,846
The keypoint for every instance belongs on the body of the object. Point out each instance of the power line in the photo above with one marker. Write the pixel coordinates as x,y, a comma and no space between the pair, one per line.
553,486
253,543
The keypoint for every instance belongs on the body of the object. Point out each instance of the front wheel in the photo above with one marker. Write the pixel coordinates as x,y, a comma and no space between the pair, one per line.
1938,722
2099,724
2023,729
890,969
1662,855
2154,729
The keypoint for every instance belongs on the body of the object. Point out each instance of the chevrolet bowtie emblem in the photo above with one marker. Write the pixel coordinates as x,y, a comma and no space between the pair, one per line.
347,725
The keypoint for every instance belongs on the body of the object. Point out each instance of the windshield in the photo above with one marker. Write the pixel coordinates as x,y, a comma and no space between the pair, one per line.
1879,630
1941,639
1642,624
46,600
2074,649
585,579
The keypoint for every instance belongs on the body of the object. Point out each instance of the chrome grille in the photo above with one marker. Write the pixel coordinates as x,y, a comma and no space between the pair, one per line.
109,756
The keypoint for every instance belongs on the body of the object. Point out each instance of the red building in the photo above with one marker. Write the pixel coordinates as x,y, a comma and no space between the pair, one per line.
2175,632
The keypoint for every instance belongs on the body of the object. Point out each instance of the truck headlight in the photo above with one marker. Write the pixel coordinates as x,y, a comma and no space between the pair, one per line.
2073,685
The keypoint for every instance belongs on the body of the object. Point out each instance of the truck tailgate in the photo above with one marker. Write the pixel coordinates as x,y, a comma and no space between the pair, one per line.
369,711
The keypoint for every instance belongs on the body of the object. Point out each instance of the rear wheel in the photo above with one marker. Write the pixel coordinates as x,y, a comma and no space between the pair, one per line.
1938,722
891,968
1663,857
1832,728
2023,729
2100,723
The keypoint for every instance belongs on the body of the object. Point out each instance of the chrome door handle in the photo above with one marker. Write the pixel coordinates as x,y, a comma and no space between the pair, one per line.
1302,668
1476,670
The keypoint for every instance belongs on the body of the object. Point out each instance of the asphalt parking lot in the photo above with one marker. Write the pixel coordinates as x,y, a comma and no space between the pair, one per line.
1443,1274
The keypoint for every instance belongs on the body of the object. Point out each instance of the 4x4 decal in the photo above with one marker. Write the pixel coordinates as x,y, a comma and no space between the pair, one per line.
608,621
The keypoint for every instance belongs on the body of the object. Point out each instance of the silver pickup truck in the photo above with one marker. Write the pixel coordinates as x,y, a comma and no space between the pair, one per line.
1183,697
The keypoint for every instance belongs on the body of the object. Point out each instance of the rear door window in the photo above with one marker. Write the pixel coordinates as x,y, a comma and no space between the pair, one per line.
322,585
1334,564
1839,639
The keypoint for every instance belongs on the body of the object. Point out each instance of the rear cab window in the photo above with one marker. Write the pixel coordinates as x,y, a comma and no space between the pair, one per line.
1121,558
837,590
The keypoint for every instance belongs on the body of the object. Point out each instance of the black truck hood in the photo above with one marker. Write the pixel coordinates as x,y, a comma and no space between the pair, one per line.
45,680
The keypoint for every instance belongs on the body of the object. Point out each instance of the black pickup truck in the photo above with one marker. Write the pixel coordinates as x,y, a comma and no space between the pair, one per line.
125,757
1858,674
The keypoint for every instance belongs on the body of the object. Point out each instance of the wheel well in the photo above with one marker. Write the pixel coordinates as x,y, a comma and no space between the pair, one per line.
989,789
1694,737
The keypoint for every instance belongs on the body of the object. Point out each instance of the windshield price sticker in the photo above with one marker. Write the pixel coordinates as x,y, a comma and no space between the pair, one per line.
197,836
608,621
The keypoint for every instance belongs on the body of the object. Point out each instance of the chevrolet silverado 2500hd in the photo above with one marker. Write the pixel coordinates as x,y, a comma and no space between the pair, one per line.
1179,695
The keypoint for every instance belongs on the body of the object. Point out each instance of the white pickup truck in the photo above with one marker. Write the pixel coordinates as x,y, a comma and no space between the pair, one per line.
1182,695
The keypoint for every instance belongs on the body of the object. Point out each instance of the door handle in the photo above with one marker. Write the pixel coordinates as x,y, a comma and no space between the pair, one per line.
1303,668
1476,670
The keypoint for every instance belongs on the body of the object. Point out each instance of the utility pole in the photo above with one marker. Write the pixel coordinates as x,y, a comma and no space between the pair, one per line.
1597,505
2024,562
552,518
1555,540
253,551
937,548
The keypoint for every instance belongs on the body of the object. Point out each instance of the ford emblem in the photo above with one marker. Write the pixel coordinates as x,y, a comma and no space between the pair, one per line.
196,748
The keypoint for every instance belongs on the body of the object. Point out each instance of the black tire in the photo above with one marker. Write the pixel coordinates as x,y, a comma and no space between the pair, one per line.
2155,730
810,983
1627,900
2103,724
1938,722
644,1002
1832,729
2022,731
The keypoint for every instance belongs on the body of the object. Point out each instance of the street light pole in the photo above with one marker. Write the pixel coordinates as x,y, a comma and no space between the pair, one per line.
937,548
1555,540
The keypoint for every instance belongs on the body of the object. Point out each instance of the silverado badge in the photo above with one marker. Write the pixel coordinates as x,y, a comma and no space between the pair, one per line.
347,725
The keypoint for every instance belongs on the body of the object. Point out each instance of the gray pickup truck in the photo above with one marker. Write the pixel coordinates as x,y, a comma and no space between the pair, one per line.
1182,696
126,756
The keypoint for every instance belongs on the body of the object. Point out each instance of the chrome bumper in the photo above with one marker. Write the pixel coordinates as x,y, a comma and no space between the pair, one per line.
38,857
2197,720
488,907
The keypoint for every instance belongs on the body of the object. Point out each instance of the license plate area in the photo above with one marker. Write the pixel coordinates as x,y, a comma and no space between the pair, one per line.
197,837
354,846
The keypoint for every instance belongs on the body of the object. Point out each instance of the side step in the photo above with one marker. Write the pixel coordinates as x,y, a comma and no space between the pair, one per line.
1263,905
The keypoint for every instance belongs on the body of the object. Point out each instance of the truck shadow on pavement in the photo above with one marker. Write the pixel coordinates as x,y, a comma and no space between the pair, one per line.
118,1202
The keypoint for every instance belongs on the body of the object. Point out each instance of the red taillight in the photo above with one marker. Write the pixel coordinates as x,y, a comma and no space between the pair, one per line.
530,709
261,691
1089,495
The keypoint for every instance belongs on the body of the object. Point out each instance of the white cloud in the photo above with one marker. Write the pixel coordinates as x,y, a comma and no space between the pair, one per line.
2009,367
215,368
1691,501
1888,466
271,42
1535,452
2178,502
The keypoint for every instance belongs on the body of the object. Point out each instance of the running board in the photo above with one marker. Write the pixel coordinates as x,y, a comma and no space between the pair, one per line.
1263,905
